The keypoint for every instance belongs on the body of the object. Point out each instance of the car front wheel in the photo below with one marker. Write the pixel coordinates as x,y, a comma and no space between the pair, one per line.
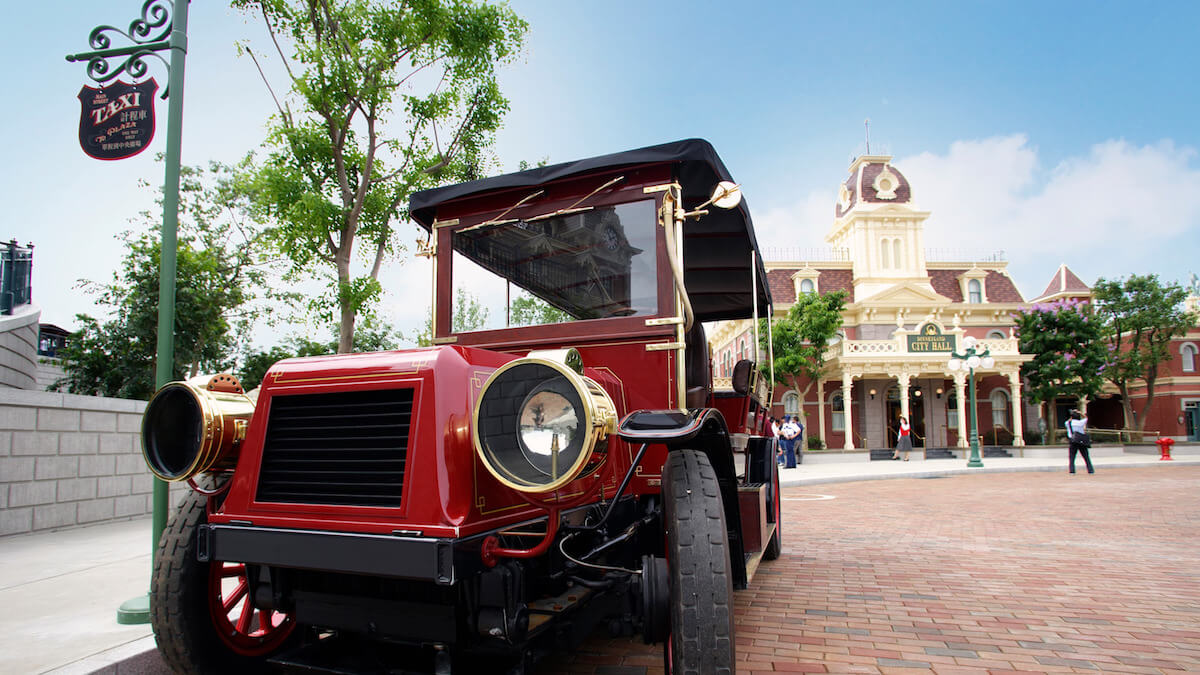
701,579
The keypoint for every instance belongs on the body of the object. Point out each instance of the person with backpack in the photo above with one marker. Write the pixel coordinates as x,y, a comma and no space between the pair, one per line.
1078,440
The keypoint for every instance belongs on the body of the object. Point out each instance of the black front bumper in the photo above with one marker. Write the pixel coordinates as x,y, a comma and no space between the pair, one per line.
399,557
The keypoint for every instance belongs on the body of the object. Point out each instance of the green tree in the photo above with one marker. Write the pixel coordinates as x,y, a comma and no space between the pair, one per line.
528,310
1069,354
799,340
469,315
371,336
219,276
341,168
1141,315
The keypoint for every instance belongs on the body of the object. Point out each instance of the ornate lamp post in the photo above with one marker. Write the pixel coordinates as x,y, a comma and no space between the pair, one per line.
972,358
161,27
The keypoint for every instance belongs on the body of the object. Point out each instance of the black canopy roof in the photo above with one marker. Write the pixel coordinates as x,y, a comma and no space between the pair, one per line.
716,247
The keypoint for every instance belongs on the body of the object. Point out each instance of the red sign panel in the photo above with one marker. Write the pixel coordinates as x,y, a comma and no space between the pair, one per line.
117,121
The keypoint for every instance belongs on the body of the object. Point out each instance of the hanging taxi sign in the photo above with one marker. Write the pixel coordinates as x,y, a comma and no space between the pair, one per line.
117,121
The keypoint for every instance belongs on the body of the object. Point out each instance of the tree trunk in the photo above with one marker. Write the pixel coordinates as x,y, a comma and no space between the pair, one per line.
1051,421
1127,406
1141,417
346,330
345,304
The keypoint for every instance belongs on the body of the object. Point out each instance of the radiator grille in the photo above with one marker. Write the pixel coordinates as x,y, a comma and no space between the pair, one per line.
343,448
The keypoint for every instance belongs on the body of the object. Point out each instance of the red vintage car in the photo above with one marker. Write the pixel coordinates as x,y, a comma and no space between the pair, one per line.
469,506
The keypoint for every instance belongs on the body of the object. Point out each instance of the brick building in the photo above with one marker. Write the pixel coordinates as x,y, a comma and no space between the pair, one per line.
907,308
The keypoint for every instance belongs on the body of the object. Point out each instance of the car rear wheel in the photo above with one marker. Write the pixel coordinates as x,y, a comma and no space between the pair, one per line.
201,613
701,604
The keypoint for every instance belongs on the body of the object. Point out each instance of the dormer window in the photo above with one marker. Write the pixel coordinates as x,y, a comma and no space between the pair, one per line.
805,281
974,292
972,285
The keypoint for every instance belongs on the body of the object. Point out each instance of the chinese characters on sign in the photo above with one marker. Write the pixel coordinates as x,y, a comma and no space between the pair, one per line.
930,339
117,121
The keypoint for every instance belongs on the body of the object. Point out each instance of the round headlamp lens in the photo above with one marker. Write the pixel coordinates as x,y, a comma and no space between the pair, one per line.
548,426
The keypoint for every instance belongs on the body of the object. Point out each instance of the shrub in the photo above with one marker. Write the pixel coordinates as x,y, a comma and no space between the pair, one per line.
815,443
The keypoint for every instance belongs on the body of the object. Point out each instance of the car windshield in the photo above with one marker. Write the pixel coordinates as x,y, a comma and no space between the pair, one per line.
593,264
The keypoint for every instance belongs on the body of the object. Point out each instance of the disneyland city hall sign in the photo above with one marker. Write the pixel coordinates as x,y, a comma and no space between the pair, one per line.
930,339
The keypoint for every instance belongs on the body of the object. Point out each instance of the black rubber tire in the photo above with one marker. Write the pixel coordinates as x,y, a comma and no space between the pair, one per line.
775,544
179,604
702,639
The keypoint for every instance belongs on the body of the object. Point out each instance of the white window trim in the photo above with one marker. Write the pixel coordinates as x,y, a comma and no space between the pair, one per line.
837,420
1189,365
791,396
1001,416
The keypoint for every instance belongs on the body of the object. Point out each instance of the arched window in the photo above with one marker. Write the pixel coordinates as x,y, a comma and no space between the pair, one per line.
1187,354
885,253
806,286
837,406
741,349
897,254
952,410
974,292
1000,410
791,403
997,335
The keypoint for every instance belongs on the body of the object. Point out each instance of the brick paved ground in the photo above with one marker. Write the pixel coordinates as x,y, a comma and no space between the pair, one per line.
998,573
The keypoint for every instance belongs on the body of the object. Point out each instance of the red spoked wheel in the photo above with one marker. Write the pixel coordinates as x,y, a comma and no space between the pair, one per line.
247,630
202,613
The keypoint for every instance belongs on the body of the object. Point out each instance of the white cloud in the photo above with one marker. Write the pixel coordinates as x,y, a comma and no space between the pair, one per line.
993,189
1117,209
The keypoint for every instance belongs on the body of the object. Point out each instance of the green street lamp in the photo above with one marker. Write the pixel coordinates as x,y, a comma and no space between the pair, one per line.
162,26
972,358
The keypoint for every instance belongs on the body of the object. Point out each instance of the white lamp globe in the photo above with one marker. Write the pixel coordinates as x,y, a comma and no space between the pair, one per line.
973,362
988,362
954,364
969,341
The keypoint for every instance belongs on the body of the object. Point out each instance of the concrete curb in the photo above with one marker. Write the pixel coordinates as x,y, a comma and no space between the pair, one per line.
963,471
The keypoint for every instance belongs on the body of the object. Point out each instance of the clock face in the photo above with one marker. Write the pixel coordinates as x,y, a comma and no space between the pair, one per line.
611,240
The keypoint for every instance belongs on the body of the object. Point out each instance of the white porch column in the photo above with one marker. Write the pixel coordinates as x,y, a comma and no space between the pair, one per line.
960,393
847,417
821,411
904,379
1014,383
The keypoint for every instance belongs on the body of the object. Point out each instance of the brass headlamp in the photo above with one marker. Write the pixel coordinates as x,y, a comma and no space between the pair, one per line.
540,423
195,426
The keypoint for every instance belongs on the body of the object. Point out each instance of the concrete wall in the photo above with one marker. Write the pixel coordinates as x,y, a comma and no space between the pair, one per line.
18,347
49,371
69,460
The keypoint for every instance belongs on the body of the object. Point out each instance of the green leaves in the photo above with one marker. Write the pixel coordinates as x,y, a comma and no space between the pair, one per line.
1141,315
800,339
1069,352
219,271
390,97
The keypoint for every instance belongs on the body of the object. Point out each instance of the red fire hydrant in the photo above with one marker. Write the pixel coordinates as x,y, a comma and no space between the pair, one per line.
1164,444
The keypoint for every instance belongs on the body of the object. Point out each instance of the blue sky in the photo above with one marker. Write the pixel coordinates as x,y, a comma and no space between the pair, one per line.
1056,132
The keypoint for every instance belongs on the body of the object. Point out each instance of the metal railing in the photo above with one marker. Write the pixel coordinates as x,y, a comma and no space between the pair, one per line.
805,254
1108,436
16,276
